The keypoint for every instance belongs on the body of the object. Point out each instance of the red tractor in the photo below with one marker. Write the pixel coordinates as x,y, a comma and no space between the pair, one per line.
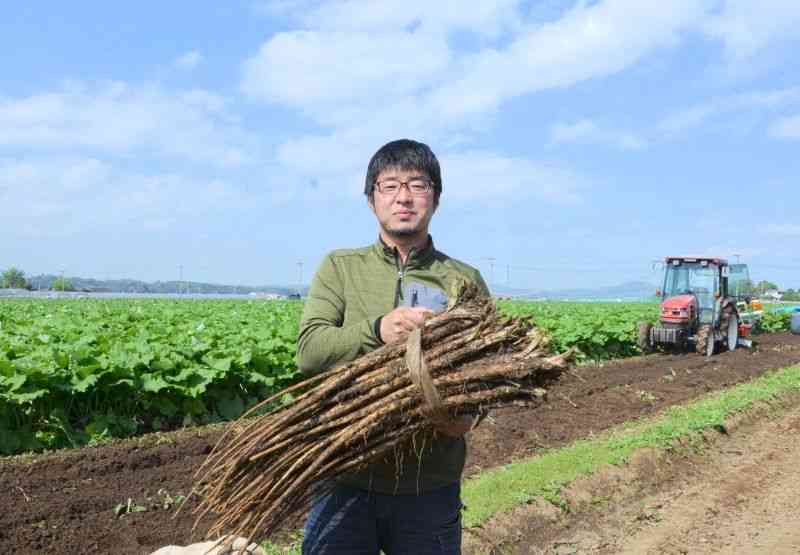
704,306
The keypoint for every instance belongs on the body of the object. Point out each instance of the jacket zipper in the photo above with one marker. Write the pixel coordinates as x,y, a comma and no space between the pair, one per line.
401,273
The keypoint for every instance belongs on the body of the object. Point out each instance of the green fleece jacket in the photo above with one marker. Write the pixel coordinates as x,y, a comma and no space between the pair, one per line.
351,290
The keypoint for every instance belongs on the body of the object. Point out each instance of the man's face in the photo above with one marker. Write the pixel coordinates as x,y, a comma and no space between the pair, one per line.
403,214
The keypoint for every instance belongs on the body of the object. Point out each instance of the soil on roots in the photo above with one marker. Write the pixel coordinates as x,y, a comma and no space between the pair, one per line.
63,503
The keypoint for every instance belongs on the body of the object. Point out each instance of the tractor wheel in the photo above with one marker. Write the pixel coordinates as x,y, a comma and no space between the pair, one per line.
643,340
705,344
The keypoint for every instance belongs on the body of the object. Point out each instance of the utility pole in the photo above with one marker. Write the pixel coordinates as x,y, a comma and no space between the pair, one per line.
491,260
300,277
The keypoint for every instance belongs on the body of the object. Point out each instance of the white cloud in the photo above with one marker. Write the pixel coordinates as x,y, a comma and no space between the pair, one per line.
697,115
487,19
57,197
352,58
786,128
747,27
689,118
121,119
189,60
338,69
586,131
316,71
340,58
590,41
475,175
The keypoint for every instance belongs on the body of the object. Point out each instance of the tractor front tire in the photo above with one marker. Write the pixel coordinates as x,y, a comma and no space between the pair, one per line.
643,340
705,344
730,327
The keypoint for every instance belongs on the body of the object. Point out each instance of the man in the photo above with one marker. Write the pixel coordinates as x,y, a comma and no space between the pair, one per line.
361,299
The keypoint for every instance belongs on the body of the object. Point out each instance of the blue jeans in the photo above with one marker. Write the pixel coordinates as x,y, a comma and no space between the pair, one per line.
350,521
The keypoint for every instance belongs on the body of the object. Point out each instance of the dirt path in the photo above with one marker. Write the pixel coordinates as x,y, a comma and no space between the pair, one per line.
742,497
745,501
63,503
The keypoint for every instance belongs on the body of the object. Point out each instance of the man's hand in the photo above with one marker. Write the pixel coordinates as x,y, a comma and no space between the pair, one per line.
396,325
456,427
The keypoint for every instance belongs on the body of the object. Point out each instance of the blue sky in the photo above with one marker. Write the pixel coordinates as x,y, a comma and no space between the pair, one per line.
579,141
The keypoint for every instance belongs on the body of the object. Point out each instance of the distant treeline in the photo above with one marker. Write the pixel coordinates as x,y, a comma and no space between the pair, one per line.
15,278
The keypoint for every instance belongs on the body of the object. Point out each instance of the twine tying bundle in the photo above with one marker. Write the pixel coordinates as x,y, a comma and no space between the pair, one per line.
433,409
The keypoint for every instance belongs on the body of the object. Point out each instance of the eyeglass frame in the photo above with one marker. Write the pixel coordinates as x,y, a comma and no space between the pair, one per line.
406,184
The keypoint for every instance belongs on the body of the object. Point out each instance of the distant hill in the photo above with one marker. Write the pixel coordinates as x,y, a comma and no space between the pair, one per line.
158,287
633,290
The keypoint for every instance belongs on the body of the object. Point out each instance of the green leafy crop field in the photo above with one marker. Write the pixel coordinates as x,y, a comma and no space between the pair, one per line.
601,330
76,371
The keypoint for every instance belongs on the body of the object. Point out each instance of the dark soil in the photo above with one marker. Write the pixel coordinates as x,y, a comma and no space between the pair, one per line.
63,503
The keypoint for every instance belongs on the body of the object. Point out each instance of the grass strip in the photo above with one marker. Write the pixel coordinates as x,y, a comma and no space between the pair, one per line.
295,548
504,488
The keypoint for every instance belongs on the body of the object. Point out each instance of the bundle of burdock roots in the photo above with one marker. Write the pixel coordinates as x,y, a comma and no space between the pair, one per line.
465,360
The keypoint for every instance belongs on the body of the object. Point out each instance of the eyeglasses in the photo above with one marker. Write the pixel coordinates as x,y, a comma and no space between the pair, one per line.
419,186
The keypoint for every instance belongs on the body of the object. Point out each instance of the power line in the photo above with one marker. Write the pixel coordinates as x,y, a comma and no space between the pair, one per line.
581,269
613,266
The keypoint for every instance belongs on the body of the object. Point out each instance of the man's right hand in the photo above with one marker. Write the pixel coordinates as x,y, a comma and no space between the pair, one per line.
396,325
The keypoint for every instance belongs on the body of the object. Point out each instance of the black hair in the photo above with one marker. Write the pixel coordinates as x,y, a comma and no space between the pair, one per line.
408,155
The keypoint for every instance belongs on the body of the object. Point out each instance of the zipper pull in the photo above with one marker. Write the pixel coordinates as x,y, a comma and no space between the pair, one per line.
398,289
401,268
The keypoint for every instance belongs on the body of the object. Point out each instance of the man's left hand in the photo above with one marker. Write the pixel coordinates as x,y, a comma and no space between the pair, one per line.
456,427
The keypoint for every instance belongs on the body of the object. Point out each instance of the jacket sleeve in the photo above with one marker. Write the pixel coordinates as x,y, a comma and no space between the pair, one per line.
324,341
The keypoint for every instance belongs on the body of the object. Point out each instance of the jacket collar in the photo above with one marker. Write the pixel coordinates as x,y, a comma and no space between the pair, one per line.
415,258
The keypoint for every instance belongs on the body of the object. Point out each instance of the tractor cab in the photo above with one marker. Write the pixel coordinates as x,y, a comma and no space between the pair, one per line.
692,284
